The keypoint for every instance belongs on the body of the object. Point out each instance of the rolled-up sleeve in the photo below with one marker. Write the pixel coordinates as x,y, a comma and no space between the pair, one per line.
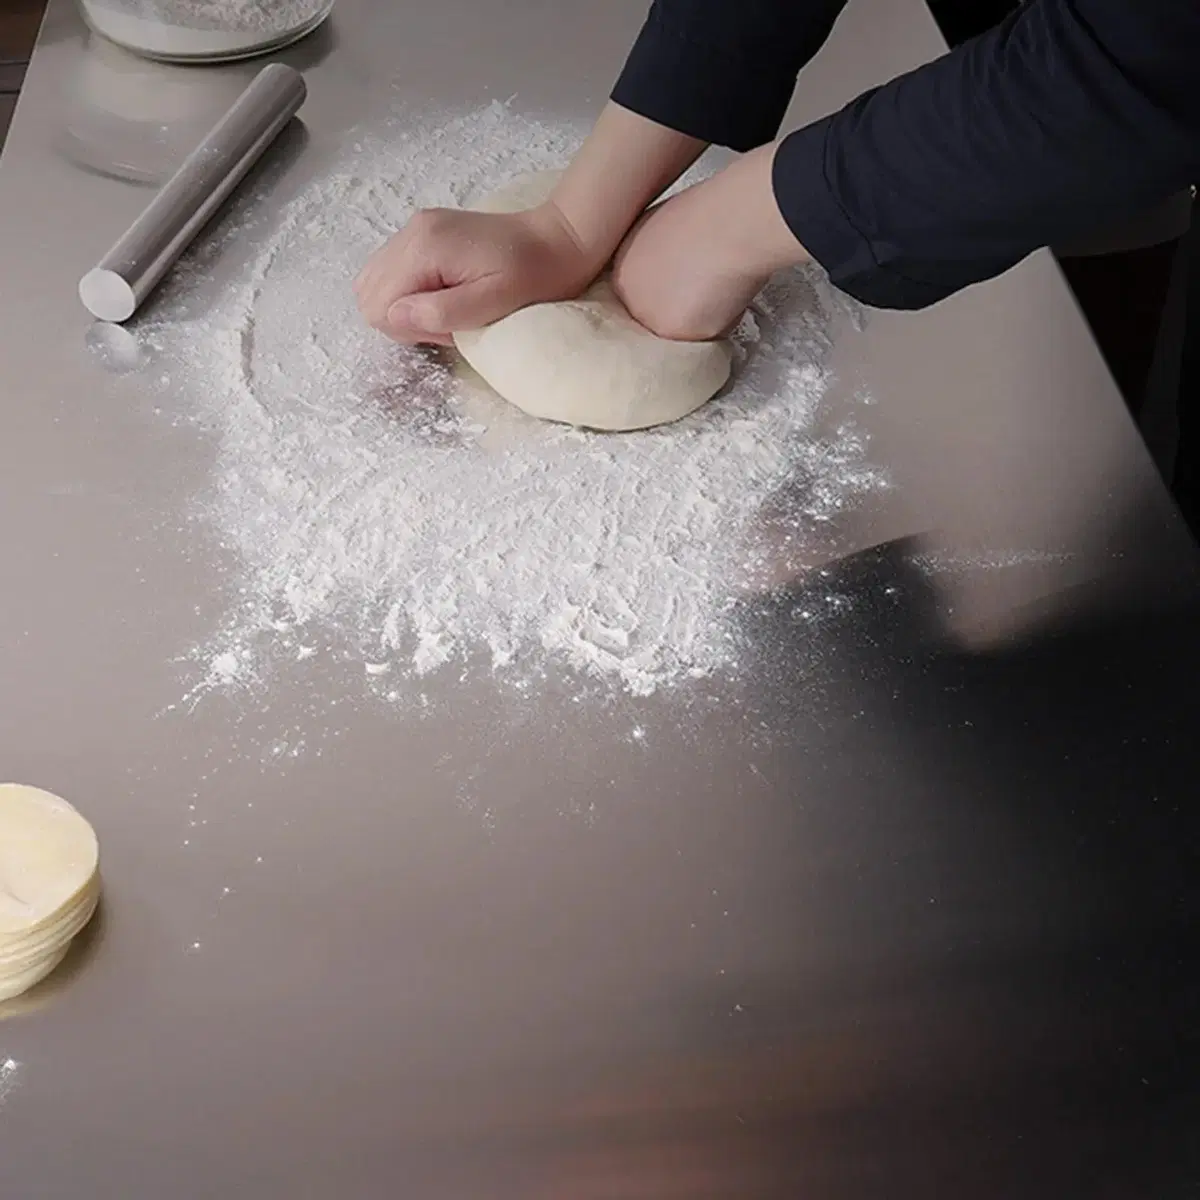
723,71
1071,115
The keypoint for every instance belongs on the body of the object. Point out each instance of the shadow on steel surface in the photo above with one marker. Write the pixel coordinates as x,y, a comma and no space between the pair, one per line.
995,989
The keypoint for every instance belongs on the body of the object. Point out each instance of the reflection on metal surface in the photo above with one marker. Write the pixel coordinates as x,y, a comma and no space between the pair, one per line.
114,347
131,118
138,120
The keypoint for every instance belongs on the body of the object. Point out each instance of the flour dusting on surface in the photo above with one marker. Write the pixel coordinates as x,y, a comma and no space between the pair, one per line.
379,504
946,563
10,1073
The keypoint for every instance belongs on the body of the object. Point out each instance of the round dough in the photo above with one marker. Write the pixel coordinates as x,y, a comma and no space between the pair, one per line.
587,362
49,883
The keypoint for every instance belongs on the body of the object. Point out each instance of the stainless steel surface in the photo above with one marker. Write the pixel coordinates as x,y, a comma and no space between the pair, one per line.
117,286
907,911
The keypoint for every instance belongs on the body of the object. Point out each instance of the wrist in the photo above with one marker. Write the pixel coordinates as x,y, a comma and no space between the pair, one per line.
589,246
624,165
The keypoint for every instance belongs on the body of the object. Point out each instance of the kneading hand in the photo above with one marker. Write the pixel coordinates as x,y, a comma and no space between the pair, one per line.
450,271
447,271
688,270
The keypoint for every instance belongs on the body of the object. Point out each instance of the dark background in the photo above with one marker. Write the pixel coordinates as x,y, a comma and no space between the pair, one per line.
19,20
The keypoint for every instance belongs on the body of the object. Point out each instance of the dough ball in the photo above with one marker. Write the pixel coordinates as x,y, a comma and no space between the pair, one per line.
587,362
49,884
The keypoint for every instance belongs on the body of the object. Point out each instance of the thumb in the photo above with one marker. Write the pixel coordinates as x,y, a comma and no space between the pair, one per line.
450,310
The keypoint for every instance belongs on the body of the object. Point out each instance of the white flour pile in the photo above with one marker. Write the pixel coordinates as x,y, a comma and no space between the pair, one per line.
380,507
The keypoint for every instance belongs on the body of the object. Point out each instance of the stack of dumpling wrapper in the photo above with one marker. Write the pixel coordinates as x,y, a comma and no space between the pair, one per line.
49,884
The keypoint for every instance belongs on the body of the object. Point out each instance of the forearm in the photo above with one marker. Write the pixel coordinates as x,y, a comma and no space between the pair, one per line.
745,218
624,165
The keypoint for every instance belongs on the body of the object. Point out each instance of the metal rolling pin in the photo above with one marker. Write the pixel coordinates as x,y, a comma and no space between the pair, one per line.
115,288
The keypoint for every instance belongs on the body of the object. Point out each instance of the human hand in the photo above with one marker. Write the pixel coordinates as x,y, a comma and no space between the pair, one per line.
447,271
691,266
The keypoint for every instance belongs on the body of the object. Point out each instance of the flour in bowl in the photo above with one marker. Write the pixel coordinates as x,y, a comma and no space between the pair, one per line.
186,29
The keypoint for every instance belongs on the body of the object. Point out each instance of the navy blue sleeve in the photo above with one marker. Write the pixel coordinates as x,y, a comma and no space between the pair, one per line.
723,71
1070,115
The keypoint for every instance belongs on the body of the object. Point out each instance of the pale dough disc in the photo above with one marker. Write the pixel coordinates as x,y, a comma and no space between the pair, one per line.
12,986
48,856
49,884
587,362
50,934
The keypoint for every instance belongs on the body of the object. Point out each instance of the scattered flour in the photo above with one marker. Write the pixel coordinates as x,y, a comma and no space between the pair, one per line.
381,504
944,563
10,1073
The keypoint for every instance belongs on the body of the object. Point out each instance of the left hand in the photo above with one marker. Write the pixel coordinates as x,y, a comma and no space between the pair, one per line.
689,269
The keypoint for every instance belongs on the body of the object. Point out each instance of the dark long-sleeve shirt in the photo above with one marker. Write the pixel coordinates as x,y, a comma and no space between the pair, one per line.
1070,115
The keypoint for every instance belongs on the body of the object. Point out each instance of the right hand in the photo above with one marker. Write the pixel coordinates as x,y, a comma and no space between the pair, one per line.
447,271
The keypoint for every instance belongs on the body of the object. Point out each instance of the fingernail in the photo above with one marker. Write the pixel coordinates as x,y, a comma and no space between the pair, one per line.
403,312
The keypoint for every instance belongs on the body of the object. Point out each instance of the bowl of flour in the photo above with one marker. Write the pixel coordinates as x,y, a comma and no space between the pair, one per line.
204,30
